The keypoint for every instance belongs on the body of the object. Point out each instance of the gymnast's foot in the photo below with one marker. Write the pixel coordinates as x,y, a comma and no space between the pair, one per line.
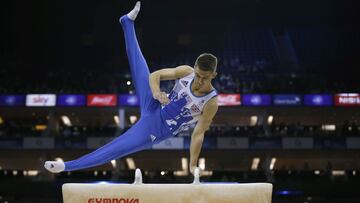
54,166
133,13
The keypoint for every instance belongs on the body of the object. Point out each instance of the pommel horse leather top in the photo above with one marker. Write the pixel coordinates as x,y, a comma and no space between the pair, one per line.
167,193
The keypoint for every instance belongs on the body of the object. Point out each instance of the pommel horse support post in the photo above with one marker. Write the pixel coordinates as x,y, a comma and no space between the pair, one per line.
167,193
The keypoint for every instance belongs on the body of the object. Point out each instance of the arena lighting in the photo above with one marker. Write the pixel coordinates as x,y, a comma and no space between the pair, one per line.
288,192
32,172
117,120
206,173
202,167
66,120
253,120
1,120
133,119
353,172
40,127
202,163
184,164
317,172
96,173
255,163
184,167
328,127
338,172
284,192
113,163
131,163
270,119
104,173
128,82
272,163
14,172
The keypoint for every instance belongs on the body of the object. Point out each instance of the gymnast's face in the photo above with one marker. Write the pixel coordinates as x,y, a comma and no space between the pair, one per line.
202,78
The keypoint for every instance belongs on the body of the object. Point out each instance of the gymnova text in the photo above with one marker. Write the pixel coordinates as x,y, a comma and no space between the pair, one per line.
113,200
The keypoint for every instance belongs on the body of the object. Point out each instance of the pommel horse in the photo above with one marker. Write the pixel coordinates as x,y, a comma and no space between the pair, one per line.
196,192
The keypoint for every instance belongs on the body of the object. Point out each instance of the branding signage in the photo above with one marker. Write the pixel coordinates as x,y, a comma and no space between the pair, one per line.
39,100
71,100
129,100
113,200
229,100
101,100
350,99
286,100
256,100
318,100
12,100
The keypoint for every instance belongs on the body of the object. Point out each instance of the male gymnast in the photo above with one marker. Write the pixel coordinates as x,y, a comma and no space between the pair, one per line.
192,100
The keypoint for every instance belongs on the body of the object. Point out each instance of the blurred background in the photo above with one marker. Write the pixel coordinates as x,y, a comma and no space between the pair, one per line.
288,77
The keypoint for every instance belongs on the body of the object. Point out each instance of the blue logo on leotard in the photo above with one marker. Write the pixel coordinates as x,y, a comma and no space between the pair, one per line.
173,95
177,114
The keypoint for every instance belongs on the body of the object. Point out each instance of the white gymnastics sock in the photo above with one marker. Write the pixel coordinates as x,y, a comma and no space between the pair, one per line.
133,13
54,166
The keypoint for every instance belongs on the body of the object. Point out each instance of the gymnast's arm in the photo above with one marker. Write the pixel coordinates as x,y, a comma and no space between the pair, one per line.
166,74
201,127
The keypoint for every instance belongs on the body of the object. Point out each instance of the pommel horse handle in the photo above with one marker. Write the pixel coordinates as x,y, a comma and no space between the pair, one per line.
138,177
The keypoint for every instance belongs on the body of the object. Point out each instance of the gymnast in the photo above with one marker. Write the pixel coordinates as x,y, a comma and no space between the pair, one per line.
193,100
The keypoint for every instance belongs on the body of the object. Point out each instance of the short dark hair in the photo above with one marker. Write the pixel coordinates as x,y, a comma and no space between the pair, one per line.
206,62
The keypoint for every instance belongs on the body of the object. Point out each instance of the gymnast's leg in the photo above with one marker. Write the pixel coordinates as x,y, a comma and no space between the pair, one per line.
138,66
136,138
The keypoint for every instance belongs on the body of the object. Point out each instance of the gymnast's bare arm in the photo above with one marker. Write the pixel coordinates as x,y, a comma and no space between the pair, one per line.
166,74
201,127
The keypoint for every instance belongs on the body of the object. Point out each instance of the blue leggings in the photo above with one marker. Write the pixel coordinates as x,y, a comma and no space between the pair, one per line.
150,127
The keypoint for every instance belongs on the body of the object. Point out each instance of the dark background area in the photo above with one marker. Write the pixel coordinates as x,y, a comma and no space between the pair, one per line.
263,46
38,37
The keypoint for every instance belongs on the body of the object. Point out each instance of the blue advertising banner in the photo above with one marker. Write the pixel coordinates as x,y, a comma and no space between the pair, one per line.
208,143
233,143
39,143
71,100
287,100
318,100
256,100
353,142
12,100
265,143
128,100
329,142
297,143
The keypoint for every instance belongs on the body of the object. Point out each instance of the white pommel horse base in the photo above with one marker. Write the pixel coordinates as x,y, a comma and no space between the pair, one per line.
167,193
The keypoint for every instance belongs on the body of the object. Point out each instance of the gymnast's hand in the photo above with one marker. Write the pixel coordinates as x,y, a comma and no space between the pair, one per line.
161,97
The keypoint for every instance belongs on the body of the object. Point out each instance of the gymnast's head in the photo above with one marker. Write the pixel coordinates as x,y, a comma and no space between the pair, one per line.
205,69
